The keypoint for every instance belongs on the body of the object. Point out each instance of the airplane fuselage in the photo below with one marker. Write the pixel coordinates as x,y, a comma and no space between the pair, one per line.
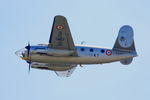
86,55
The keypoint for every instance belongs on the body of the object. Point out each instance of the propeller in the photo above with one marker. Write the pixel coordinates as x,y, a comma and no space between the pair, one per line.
29,67
28,49
28,55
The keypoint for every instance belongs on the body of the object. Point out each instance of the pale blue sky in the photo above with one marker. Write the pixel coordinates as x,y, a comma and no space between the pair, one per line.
94,21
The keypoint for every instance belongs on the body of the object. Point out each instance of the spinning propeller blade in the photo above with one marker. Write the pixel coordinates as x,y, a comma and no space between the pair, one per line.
29,68
28,55
28,49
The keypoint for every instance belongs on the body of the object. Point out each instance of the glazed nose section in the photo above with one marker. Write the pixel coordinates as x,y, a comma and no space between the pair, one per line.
21,53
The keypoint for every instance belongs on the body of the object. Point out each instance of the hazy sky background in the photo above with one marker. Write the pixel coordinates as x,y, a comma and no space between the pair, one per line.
94,21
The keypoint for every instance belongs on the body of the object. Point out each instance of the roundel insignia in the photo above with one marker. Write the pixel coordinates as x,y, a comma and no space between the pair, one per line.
108,52
59,27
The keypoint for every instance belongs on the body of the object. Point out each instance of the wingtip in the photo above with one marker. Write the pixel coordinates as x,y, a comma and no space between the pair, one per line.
59,16
127,26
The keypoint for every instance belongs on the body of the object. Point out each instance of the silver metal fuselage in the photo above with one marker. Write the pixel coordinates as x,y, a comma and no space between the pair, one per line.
86,55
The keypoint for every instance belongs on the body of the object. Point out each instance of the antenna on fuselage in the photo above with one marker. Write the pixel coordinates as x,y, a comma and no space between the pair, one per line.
82,42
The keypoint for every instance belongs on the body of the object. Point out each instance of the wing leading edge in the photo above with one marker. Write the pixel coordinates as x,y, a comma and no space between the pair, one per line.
60,37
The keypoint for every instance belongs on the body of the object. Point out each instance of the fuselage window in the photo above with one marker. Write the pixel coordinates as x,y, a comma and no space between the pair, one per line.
91,50
102,50
82,49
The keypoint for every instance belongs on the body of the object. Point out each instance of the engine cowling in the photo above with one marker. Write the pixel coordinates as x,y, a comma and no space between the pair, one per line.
57,52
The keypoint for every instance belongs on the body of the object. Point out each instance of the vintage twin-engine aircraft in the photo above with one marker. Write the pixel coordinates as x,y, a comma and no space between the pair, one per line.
62,55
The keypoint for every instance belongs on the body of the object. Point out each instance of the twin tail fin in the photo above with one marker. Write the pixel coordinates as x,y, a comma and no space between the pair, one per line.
125,42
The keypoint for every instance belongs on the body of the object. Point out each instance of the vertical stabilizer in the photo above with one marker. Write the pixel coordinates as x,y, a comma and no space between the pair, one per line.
125,39
125,42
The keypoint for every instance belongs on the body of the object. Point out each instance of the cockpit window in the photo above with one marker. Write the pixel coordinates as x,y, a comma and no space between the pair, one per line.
21,53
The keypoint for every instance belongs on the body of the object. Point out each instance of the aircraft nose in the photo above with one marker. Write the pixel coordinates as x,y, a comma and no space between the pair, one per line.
21,53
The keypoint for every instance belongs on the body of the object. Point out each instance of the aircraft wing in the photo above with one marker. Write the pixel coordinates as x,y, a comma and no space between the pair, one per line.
65,73
60,37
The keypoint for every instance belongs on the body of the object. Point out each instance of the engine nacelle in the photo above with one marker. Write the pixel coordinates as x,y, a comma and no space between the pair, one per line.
57,52
53,52
54,67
